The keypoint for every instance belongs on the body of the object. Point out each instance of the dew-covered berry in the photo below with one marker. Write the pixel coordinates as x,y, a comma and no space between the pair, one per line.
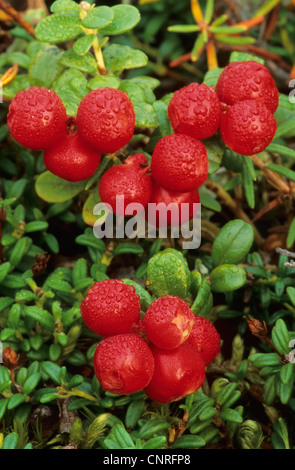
178,373
180,163
130,180
171,208
71,158
248,127
195,110
106,119
111,307
37,118
249,80
123,363
168,322
205,338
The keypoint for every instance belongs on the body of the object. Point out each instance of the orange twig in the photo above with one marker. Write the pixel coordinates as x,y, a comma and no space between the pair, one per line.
17,17
251,22
180,60
211,56
196,11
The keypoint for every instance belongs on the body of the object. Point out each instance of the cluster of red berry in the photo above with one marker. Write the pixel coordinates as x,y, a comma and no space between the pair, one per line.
165,352
241,106
72,147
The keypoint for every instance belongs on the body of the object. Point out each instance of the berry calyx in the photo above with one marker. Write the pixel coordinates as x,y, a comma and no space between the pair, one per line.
129,180
205,338
179,208
71,158
168,322
250,80
248,127
106,119
195,110
37,118
110,308
180,163
177,373
123,363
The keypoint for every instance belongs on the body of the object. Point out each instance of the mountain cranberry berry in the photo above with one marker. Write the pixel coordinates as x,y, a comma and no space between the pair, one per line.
171,208
168,322
111,307
106,119
129,180
195,110
241,81
123,363
180,163
205,338
37,118
248,127
178,373
71,158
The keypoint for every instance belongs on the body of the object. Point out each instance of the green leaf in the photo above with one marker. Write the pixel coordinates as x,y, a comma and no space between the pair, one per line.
211,77
71,86
208,199
89,240
209,11
62,5
58,28
128,247
168,273
281,150
11,441
291,294
155,443
285,390
23,60
103,81
52,370
188,442
285,129
231,415
4,270
145,297
227,278
15,401
85,63
215,149
5,302
19,83
152,427
286,373
290,174
266,7
248,185
25,296
183,28
232,243
265,360
83,44
40,315
202,304
36,226
280,337
165,127
45,67
240,41
125,18
134,413
98,17
118,58
51,188
31,383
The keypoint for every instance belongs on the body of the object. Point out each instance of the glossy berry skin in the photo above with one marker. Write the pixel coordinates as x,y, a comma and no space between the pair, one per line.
129,180
178,373
179,214
37,118
106,119
248,127
195,110
241,81
123,363
168,322
71,158
110,308
205,338
180,163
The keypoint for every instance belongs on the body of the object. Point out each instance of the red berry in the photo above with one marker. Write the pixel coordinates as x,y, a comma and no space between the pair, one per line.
72,158
37,118
180,163
111,307
178,373
129,180
195,110
249,80
123,363
106,119
176,216
205,338
168,322
248,127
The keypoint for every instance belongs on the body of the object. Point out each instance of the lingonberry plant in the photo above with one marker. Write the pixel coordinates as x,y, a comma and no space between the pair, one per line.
111,343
